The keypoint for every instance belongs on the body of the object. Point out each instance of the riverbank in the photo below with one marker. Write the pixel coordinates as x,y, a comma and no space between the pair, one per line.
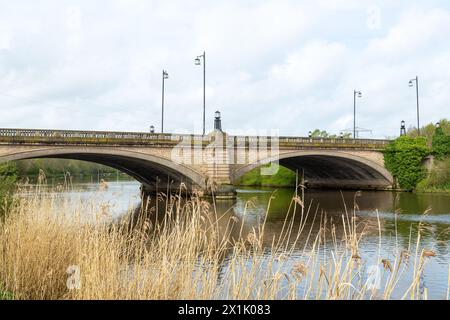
284,178
58,167
58,178
437,179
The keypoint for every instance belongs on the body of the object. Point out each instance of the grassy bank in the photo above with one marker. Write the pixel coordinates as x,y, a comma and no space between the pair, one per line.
49,252
438,179
283,178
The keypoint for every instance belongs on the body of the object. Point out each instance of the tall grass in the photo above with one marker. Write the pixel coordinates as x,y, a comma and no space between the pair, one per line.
50,251
438,179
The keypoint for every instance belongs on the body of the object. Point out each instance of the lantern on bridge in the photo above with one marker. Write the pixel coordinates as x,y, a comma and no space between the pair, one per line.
217,121
402,128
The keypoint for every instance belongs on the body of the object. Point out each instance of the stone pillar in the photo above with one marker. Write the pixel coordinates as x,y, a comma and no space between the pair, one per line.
218,167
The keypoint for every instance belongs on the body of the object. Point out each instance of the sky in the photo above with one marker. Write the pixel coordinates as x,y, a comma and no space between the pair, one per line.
271,66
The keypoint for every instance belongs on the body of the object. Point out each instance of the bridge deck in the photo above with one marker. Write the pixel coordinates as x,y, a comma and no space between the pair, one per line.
71,137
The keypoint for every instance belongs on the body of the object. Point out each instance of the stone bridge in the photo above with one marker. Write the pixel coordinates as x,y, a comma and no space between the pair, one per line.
211,163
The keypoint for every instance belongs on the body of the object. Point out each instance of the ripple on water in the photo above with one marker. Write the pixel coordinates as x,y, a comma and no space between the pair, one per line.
431,218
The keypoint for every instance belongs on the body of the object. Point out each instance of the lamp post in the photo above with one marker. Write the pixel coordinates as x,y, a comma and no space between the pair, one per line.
152,129
411,84
197,63
165,76
359,94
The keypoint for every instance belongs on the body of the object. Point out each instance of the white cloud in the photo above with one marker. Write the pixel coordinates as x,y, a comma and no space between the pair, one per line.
415,31
288,65
312,66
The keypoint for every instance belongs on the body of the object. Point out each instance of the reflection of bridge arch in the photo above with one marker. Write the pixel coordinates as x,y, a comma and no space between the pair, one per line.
143,167
329,169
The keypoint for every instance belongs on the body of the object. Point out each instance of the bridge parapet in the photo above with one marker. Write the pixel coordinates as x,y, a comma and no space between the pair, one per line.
73,137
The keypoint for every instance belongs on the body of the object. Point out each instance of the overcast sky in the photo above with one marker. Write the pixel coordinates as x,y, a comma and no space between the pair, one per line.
290,66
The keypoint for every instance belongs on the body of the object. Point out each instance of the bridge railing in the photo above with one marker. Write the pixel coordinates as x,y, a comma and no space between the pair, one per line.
45,133
299,141
127,138
338,141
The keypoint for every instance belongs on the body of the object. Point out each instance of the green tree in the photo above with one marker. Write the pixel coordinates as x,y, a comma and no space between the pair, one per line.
441,144
429,130
403,158
317,133
57,167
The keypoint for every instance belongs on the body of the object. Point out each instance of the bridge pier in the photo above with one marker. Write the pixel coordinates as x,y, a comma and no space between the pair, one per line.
220,192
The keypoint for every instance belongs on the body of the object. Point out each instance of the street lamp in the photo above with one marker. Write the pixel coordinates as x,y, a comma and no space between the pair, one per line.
438,124
411,84
152,129
309,134
197,63
165,76
359,94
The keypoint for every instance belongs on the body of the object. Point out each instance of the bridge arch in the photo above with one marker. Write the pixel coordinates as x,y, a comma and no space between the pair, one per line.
324,168
141,166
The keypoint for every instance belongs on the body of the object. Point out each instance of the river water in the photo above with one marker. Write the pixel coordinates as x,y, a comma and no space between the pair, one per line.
398,214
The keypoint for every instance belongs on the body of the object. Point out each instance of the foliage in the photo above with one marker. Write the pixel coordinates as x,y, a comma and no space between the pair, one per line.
438,179
8,178
429,130
438,139
8,169
56,167
403,158
6,295
317,133
283,178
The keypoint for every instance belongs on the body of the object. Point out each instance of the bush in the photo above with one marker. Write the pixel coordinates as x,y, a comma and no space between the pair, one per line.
441,144
8,178
438,179
403,158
